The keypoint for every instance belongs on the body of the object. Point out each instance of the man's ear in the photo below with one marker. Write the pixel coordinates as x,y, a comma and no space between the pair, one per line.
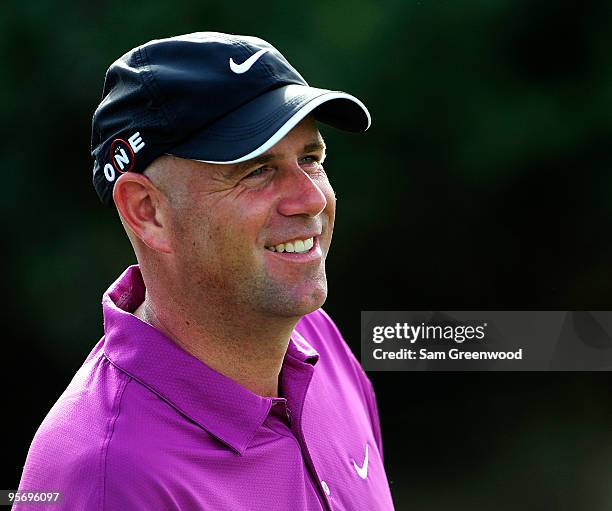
143,207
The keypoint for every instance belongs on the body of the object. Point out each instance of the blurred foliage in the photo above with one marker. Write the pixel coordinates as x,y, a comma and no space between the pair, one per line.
484,182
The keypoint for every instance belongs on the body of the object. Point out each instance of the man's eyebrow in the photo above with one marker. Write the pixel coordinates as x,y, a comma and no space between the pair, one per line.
314,146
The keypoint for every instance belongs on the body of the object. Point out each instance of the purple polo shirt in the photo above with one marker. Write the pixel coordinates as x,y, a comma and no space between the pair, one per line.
144,425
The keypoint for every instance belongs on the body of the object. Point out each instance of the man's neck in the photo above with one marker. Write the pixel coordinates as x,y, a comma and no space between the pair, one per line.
250,353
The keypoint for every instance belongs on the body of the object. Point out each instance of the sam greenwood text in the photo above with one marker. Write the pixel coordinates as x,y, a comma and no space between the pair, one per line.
452,354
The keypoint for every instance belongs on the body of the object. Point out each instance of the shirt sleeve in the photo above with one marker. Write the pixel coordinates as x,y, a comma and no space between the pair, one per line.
75,481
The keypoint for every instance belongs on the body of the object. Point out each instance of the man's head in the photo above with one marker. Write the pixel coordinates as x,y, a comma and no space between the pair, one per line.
207,144
237,234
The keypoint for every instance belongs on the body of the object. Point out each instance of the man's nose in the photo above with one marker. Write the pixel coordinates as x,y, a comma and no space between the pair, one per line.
301,195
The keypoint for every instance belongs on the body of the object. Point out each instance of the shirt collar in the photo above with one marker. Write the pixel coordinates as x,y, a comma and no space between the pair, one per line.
225,409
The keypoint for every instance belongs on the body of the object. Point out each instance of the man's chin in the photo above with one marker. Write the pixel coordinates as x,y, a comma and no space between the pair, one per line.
298,306
315,302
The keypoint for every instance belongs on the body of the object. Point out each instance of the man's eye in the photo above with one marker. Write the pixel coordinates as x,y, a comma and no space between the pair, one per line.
258,172
310,160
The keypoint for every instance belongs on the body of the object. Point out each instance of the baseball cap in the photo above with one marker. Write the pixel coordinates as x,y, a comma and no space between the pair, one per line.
206,96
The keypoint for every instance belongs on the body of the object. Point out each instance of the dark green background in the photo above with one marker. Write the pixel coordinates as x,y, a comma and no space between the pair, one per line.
484,182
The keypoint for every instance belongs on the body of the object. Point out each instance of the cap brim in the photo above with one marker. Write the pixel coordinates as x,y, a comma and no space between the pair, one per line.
255,127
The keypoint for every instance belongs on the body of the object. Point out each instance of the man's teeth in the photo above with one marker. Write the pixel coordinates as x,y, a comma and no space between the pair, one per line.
297,246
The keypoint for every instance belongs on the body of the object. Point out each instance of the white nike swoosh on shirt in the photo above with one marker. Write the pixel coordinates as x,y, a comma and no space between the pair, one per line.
362,471
247,64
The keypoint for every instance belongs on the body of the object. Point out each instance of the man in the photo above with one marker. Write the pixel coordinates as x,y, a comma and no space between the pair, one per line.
219,384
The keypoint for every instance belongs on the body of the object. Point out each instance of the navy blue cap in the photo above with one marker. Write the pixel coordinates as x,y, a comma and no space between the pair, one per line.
207,96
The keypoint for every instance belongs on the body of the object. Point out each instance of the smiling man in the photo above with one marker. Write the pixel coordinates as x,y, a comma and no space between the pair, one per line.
220,383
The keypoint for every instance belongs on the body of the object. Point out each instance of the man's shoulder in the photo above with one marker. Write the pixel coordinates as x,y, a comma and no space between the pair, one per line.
100,439
83,410
67,452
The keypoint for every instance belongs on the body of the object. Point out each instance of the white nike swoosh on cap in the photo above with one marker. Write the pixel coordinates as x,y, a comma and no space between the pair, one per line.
362,471
247,64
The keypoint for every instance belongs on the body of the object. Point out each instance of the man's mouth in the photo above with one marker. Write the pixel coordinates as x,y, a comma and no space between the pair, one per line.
298,246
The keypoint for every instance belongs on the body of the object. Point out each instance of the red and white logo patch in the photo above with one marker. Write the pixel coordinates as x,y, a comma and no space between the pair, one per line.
123,155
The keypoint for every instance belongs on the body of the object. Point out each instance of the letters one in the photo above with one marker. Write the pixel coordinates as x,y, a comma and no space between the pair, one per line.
122,158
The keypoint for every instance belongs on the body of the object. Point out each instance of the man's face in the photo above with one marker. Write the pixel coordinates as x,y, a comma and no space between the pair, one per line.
233,228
